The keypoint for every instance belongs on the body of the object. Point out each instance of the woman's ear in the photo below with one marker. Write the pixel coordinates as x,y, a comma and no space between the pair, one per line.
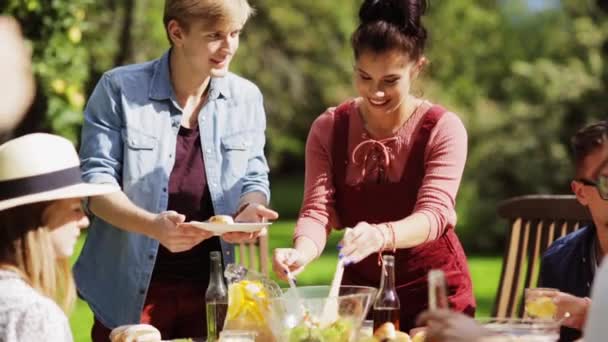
418,67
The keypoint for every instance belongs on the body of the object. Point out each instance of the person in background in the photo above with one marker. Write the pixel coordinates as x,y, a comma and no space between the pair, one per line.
388,165
570,263
184,139
17,86
40,219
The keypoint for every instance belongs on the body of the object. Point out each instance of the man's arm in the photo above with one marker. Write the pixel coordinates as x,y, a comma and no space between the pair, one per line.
118,210
101,156
548,275
256,186
255,196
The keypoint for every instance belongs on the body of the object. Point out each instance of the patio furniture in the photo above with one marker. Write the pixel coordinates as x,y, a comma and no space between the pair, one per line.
255,255
535,221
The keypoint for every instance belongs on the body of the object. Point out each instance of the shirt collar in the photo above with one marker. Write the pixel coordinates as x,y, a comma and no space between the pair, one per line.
162,89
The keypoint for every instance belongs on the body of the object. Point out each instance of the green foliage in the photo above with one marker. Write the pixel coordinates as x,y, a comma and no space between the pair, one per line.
302,62
60,58
519,132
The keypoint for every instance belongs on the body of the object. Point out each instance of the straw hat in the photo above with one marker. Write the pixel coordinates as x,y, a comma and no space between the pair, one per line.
42,167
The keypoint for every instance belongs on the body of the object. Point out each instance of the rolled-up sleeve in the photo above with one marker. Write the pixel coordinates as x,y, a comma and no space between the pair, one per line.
101,146
256,178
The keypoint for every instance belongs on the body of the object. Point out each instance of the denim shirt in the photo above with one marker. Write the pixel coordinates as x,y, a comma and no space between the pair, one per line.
128,138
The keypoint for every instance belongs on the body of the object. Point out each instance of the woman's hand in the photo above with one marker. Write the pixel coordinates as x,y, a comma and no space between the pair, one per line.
251,213
288,260
361,241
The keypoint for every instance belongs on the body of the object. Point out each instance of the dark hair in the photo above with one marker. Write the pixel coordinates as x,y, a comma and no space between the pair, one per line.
587,140
391,24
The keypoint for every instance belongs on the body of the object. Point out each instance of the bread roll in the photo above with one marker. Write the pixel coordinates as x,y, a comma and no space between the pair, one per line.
135,333
387,332
223,219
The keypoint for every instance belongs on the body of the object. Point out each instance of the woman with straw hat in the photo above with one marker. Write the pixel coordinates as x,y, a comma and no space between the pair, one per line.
40,220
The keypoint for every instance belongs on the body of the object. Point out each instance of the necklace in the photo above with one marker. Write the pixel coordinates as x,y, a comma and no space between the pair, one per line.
395,129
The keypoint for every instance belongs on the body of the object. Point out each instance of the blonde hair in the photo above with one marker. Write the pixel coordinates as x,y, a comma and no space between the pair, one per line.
26,248
214,13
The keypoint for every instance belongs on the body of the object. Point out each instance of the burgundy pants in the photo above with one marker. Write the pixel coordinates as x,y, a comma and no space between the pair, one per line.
176,309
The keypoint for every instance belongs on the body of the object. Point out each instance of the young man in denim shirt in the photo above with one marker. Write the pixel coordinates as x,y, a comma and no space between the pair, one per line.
184,138
571,261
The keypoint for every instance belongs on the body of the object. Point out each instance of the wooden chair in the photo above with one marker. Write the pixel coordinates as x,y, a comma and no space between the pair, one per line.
255,255
535,222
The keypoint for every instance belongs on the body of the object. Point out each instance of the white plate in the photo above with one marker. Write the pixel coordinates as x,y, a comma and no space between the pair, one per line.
221,228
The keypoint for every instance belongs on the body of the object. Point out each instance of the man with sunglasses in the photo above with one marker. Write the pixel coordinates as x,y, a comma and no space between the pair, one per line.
570,263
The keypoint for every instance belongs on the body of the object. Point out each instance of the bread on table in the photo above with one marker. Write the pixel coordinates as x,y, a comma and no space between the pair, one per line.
387,332
135,333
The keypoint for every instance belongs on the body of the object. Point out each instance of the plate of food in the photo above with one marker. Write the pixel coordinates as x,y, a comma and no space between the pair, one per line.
221,224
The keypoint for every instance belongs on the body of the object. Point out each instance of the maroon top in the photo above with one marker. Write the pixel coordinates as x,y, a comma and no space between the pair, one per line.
188,195
385,202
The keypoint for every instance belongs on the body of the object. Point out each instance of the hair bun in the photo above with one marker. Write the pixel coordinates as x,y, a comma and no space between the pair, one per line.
405,14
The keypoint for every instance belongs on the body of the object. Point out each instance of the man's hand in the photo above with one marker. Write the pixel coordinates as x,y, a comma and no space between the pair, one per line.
573,310
444,325
170,230
252,213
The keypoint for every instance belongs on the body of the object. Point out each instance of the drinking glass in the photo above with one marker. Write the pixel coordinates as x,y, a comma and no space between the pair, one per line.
538,303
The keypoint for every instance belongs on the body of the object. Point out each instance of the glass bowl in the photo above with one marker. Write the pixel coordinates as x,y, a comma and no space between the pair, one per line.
521,330
296,317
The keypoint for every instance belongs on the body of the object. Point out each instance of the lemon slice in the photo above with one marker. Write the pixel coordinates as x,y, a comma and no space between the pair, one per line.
541,307
419,337
236,300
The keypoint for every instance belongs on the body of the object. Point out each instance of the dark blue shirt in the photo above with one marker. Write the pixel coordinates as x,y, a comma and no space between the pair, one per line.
567,265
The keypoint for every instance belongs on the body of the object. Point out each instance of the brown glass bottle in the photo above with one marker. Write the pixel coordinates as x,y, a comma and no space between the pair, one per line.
386,306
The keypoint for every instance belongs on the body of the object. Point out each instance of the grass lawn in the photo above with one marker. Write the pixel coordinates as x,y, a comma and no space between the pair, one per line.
485,272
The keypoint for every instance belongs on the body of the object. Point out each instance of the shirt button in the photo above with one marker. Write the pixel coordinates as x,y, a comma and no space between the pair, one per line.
164,189
142,291
584,260
203,119
213,185
151,256
227,253
208,150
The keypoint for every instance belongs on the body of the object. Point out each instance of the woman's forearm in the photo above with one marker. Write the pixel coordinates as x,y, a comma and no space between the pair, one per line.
409,232
307,248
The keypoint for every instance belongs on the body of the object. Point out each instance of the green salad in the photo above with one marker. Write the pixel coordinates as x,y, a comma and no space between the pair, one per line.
339,331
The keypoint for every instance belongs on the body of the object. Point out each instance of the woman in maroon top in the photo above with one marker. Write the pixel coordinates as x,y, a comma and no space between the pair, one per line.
387,164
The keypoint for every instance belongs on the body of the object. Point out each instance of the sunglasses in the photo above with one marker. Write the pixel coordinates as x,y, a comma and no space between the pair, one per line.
601,184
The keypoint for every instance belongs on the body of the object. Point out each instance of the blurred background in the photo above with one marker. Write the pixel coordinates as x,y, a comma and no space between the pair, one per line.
523,75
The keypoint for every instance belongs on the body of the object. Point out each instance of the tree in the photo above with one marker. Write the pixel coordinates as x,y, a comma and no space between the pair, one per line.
59,60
